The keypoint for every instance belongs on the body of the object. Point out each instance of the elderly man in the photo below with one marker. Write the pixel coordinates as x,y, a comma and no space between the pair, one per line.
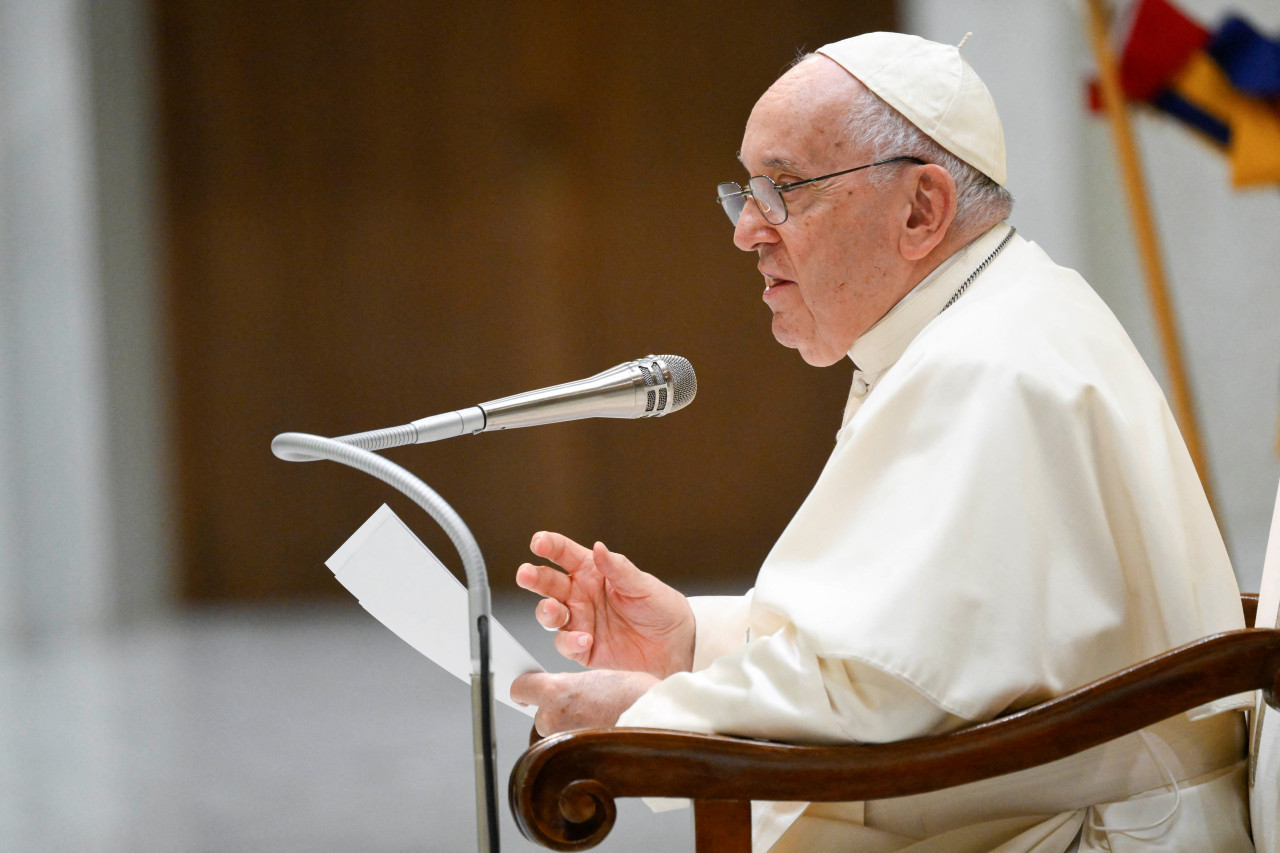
1009,511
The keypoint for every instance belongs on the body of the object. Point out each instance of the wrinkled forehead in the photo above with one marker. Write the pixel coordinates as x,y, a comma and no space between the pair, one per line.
800,122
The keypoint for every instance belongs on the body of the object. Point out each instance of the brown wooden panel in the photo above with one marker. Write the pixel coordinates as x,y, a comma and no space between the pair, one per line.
381,210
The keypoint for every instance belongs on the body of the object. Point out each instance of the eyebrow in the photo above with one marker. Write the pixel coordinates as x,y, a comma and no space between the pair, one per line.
774,162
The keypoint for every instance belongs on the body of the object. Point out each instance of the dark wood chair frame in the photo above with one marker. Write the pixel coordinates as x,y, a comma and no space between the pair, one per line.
562,790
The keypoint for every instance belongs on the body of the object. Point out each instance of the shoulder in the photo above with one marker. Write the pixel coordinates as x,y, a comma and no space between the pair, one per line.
1029,324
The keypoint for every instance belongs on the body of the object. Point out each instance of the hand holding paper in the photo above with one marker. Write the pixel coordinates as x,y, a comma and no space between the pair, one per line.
402,584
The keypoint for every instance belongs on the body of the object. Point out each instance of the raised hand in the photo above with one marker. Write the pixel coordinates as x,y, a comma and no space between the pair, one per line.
608,613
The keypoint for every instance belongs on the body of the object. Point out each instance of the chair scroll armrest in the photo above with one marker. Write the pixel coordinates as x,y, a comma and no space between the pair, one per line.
563,788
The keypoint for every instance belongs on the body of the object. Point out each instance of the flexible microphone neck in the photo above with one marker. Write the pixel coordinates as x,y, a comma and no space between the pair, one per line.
645,388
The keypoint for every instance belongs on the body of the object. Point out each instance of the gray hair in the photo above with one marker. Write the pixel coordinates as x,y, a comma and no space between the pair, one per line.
872,124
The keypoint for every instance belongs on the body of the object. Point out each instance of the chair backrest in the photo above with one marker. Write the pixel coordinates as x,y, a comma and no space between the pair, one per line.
1264,749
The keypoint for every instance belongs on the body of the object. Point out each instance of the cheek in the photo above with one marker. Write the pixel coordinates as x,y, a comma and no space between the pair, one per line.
847,270
827,278
838,299
811,259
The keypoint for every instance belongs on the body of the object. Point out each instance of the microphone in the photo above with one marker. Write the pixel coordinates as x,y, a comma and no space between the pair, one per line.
648,387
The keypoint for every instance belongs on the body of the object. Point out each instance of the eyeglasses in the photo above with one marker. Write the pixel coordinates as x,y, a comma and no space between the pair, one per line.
768,195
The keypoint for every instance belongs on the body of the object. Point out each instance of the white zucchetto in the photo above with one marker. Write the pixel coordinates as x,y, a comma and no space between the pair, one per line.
933,86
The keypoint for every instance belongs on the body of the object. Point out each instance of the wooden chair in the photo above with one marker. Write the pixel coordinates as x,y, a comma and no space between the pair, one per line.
563,788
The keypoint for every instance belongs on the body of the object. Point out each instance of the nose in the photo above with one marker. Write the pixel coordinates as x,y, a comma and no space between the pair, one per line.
752,231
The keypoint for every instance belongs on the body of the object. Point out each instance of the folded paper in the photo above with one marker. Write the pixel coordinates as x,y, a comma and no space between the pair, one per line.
405,587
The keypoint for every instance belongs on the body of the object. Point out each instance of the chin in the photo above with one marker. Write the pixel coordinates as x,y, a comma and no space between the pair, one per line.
812,355
815,359
815,351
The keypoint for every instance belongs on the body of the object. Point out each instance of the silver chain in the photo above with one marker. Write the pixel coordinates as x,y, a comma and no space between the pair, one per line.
959,292
982,266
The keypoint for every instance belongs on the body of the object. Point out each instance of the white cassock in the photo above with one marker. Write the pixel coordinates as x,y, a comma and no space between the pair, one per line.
1009,513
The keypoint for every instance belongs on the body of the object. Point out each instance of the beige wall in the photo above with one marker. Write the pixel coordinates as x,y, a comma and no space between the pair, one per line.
376,212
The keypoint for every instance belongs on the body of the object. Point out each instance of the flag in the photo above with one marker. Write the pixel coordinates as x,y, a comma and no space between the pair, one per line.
1223,83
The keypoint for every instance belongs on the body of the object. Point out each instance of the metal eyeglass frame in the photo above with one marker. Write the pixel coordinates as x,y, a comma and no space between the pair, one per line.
782,188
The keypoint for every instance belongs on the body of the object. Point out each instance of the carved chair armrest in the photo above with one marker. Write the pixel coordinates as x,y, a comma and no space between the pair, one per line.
563,788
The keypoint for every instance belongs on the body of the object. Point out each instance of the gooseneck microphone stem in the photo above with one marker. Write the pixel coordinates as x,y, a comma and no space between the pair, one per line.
648,387
645,388
296,446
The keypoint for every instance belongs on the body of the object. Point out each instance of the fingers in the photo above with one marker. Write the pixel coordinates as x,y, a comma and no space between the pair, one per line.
575,645
559,549
621,572
544,580
543,690
528,689
581,699
551,614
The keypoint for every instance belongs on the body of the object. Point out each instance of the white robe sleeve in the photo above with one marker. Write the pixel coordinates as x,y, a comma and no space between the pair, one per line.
721,626
776,688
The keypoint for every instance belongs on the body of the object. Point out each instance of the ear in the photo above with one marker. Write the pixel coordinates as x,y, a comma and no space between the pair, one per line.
933,209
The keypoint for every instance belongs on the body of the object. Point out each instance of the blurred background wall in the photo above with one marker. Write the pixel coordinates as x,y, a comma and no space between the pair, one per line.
227,220
86,536
378,211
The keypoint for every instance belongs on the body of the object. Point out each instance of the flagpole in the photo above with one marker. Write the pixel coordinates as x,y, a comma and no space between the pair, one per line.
1148,243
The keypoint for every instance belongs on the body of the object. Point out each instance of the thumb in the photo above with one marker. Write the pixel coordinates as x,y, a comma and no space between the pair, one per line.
526,689
621,572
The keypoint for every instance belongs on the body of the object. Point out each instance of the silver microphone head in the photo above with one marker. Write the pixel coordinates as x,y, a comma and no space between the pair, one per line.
676,375
645,388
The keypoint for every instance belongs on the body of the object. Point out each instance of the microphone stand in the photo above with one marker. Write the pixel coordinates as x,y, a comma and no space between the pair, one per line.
300,447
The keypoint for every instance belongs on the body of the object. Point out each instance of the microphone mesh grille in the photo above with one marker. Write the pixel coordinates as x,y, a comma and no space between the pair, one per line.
684,381
649,379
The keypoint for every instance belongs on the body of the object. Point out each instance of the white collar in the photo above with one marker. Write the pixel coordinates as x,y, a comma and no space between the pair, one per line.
880,347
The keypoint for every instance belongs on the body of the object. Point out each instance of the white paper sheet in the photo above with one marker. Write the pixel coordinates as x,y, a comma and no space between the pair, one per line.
402,584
